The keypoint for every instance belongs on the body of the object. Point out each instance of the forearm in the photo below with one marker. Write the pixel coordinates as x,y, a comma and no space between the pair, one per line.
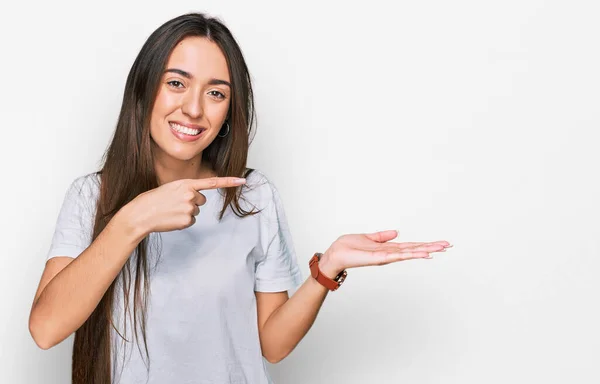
287,325
71,296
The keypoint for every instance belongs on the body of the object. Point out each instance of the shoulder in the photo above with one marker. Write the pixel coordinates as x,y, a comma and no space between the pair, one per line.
260,188
86,183
255,178
84,187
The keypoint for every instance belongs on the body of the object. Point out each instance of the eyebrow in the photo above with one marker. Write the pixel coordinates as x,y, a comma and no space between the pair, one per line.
189,76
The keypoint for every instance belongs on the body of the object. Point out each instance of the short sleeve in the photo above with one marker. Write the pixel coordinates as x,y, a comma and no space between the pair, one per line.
74,225
278,270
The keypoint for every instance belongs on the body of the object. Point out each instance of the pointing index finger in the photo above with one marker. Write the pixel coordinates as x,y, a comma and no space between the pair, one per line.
217,182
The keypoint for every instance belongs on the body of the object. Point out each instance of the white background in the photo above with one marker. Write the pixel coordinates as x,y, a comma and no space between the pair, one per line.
473,121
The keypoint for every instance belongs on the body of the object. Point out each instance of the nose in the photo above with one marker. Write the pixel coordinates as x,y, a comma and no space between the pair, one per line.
193,105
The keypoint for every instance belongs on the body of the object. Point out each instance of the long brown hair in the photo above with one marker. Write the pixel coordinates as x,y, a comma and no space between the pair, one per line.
128,170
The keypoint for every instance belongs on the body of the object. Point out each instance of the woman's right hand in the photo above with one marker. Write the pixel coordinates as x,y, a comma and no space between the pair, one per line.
173,205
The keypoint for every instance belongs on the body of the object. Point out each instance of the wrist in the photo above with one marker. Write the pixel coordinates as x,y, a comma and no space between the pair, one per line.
129,222
326,271
328,267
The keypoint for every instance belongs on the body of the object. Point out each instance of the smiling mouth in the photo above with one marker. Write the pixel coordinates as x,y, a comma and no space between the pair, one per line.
186,130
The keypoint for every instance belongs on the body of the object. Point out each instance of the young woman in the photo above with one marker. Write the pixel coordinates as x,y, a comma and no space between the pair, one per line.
172,263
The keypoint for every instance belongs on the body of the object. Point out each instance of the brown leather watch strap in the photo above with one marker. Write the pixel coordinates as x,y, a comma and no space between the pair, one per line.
331,284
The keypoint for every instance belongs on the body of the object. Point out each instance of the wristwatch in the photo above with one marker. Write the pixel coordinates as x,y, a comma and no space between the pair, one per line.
331,284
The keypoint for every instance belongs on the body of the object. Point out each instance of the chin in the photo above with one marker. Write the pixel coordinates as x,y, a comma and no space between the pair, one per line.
176,152
169,146
183,155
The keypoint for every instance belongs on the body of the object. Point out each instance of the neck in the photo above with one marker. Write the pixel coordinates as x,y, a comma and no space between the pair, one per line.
169,169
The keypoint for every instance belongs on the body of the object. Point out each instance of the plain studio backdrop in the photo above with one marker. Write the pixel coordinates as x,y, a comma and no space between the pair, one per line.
473,121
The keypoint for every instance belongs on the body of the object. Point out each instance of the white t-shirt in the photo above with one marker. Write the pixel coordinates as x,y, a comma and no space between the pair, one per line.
202,319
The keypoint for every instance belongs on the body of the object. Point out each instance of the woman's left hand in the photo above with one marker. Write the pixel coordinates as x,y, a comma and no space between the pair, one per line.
361,250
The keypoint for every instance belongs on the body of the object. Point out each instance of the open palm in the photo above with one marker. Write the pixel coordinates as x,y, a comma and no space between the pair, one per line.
360,250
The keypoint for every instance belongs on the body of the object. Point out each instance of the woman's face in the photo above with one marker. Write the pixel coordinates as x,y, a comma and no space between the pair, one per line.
192,101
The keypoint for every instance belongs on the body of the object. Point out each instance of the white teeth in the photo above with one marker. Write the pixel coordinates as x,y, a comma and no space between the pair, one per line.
186,130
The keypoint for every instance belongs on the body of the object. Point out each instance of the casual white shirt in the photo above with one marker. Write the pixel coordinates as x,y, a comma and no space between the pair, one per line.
202,318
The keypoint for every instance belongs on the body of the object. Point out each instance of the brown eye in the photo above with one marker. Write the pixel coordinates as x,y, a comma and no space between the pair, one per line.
217,94
175,84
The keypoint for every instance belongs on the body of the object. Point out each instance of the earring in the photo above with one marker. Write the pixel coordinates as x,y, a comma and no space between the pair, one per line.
226,133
